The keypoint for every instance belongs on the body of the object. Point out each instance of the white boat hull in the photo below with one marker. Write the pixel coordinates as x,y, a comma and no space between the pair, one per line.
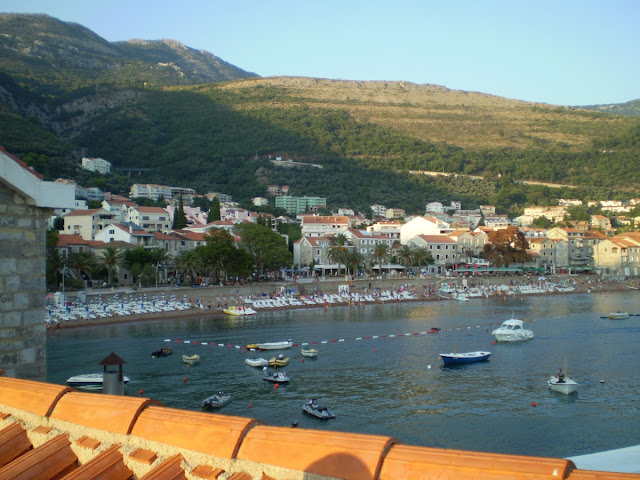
567,387
257,362
512,330
275,345
89,380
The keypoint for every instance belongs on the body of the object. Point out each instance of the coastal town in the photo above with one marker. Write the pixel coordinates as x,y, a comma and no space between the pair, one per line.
444,239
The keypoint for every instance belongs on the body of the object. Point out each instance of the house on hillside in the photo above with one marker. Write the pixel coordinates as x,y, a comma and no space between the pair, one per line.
150,219
420,225
443,249
320,226
88,223
618,256
130,234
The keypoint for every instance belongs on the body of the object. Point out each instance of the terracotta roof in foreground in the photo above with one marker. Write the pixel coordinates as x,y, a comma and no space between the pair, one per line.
52,431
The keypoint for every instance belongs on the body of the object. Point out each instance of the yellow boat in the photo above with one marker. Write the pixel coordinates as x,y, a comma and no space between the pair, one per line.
279,361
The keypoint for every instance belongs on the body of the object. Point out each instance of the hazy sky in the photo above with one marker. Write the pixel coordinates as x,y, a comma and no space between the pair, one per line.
564,52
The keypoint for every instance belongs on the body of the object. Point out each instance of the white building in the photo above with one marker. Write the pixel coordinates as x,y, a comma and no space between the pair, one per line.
423,226
260,201
99,165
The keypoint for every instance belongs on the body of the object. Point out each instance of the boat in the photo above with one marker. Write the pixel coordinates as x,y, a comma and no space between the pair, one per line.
275,345
257,362
89,380
467,357
279,361
567,386
216,400
239,311
163,352
312,408
275,377
512,330
461,297
309,352
561,383
434,330
618,315
190,359
252,346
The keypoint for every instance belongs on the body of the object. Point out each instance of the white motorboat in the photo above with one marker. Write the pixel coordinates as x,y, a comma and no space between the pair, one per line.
312,408
275,377
257,362
309,352
618,315
564,385
89,380
512,331
190,359
216,400
275,345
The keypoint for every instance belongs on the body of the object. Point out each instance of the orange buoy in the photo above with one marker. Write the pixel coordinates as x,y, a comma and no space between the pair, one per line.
303,360
534,404
184,379
373,349
249,405
276,385
141,392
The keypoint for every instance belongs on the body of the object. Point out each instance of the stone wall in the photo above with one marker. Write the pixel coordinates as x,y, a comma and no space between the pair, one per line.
22,286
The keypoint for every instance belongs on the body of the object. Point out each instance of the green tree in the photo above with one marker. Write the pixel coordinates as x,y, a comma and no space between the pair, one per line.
214,210
81,262
339,251
380,252
179,218
188,263
541,222
111,258
422,256
405,254
267,247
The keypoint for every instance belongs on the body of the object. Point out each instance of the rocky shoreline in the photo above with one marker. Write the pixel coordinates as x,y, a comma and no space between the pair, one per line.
208,302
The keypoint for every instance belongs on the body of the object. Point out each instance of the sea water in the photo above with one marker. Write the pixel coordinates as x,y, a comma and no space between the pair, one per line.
378,370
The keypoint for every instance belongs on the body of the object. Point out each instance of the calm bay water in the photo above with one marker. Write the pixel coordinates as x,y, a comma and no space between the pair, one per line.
384,385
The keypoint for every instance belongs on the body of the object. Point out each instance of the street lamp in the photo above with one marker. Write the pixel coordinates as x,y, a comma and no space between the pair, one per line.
157,265
64,271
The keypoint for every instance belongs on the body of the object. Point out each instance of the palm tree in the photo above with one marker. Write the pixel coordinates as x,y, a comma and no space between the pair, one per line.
353,259
188,262
405,254
81,262
158,256
111,258
339,250
380,252
422,256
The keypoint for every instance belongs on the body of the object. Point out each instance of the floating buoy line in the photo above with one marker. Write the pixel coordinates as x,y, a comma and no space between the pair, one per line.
339,340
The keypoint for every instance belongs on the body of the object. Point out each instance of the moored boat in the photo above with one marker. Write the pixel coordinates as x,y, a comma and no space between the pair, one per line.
279,361
239,311
312,408
257,362
275,345
89,380
618,315
190,359
466,357
309,352
512,330
162,352
216,400
275,377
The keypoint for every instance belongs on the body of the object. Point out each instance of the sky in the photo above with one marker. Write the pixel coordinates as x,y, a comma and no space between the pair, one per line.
561,52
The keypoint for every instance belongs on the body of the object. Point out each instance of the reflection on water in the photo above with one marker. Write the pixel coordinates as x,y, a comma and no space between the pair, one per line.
384,385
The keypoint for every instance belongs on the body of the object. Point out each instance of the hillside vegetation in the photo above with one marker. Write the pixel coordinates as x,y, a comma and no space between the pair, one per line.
197,121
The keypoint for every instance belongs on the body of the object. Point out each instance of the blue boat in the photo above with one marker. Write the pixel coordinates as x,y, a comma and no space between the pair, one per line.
467,357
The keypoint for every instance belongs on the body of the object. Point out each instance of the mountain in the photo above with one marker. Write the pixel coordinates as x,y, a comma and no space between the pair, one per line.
630,109
198,122
52,57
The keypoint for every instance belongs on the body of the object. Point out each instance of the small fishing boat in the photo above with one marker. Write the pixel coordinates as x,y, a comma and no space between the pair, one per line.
252,346
466,357
275,377
190,359
239,311
279,361
216,400
163,352
275,345
257,362
89,380
618,315
561,383
312,408
309,352
512,330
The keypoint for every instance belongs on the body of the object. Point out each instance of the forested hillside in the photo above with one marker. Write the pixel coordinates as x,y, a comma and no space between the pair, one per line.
74,95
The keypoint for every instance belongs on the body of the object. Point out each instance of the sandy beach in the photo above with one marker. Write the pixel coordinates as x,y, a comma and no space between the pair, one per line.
209,301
